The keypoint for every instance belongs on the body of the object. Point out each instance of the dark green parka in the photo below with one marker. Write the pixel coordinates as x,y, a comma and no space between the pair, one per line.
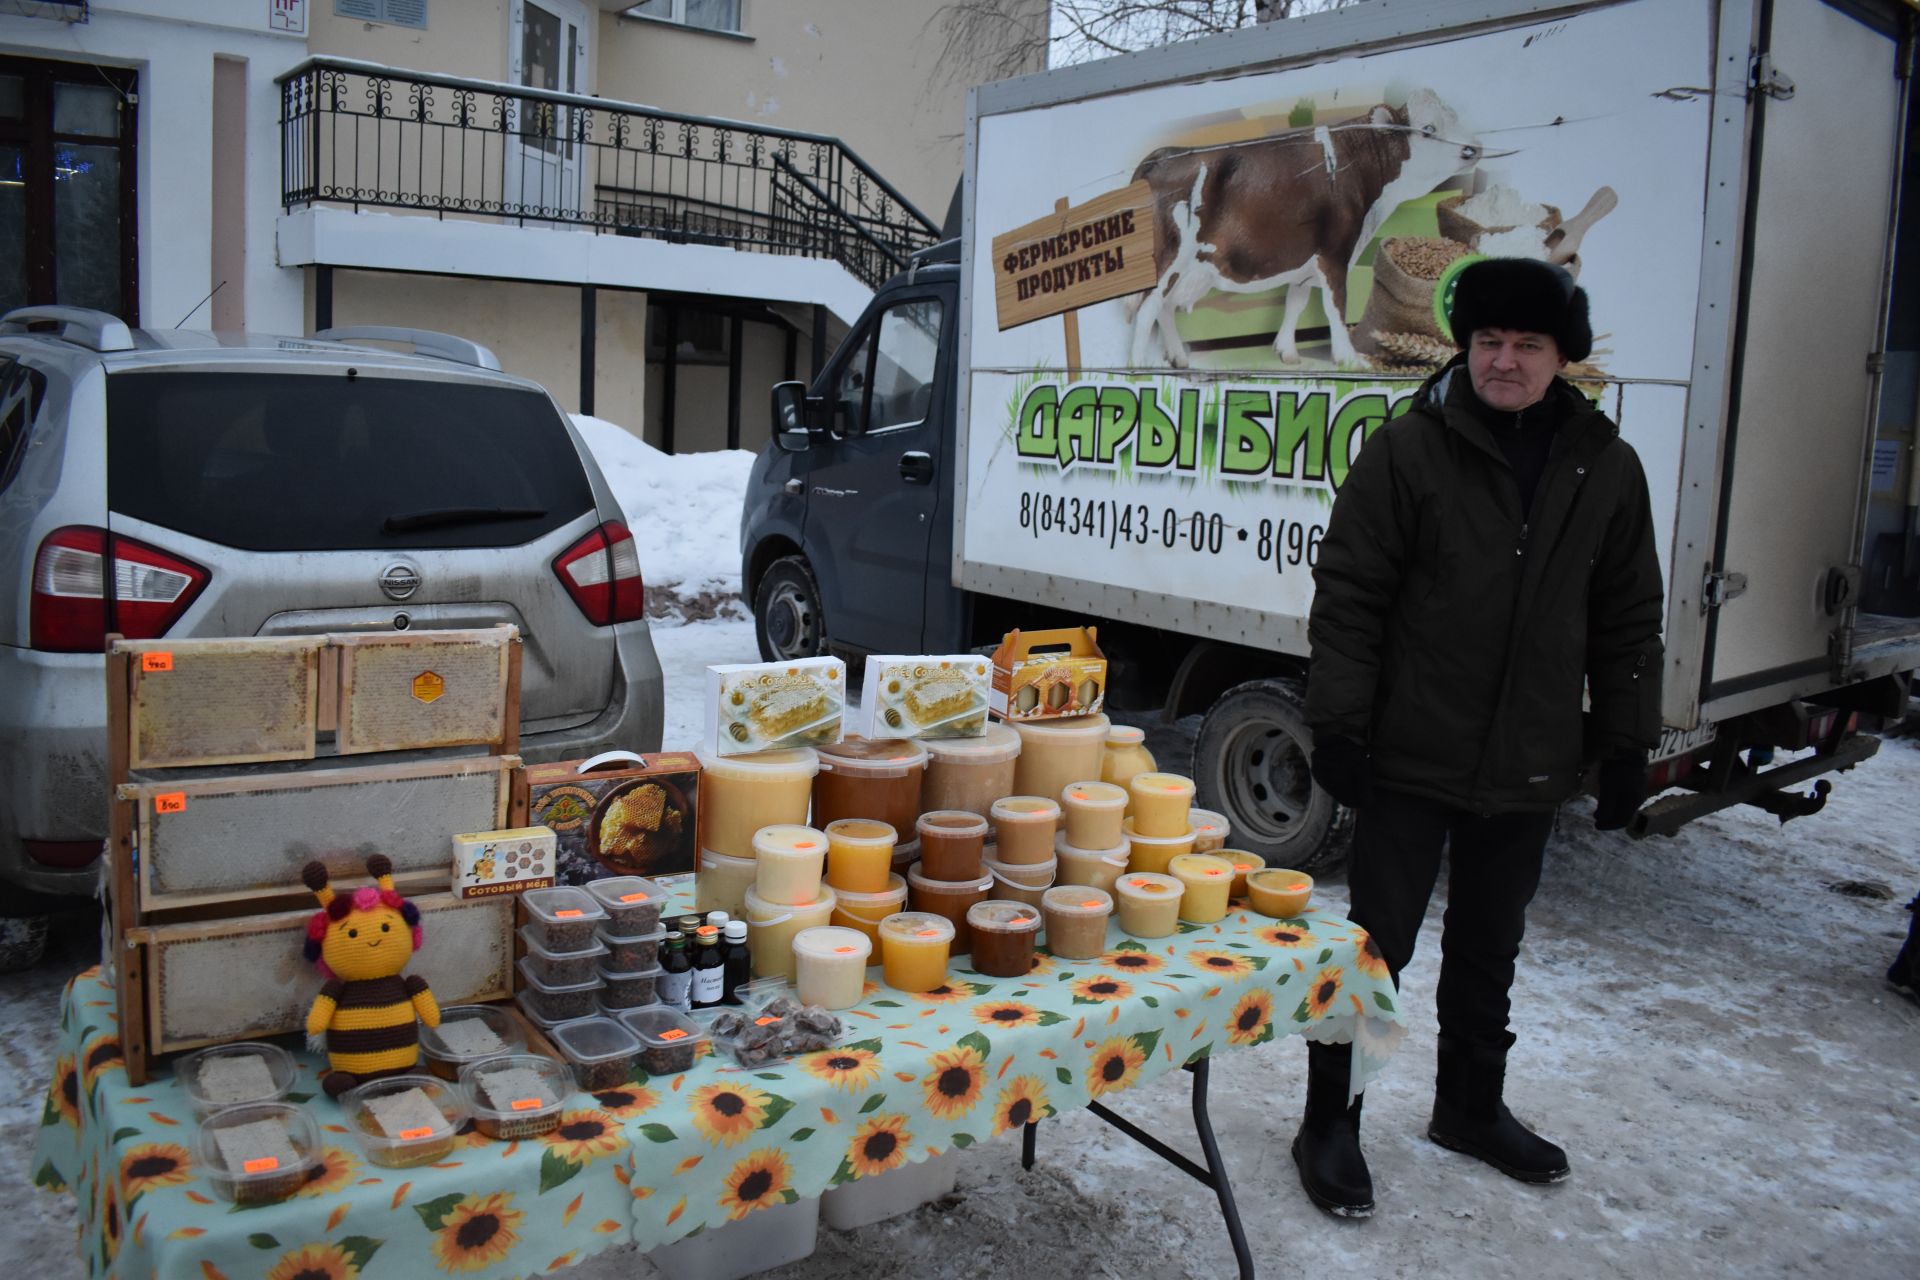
1453,638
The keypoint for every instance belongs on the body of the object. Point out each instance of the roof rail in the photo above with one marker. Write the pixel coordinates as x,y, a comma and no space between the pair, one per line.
426,342
82,326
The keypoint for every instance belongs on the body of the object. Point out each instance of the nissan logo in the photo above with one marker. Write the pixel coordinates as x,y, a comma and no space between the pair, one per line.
399,580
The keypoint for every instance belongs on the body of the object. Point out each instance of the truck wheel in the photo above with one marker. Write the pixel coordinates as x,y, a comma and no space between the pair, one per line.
788,622
23,941
1250,763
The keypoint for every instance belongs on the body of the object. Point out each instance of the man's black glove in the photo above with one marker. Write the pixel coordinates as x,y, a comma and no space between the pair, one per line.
1623,785
1341,767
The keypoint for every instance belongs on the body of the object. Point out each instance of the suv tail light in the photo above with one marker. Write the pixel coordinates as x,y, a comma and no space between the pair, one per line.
151,589
602,574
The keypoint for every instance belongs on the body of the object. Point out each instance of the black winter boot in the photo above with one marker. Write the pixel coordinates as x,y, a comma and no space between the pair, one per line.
1904,974
1327,1148
1469,1117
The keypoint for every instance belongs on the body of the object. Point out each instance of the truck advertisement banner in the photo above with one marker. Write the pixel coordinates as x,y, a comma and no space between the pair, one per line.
1297,232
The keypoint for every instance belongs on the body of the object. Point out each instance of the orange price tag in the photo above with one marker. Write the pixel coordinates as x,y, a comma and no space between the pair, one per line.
162,661
1079,795
1243,866
1215,871
524,1104
171,802
1206,826
927,933
633,897
261,1164
1297,888
808,844
1141,884
414,1135
1093,904
568,913
706,930
769,1020
844,951
674,1034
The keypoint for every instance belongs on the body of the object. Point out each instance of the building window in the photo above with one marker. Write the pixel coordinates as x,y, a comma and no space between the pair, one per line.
700,336
709,15
67,229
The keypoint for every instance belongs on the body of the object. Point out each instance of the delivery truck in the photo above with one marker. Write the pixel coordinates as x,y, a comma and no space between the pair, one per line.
1189,283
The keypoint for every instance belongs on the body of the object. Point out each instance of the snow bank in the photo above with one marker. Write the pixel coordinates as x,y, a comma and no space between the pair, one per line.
684,509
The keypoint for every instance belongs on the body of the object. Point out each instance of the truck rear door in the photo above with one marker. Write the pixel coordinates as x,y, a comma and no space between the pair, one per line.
873,484
1812,315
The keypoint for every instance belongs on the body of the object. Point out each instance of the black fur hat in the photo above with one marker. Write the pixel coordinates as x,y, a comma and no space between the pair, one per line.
1523,294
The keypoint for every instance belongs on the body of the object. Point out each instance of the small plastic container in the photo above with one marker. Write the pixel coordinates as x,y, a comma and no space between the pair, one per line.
669,1040
260,1153
557,1003
914,949
722,882
628,953
1095,868
600,1051
235,1075
1160,804
1206,882
1094,812
970,773
952,843
860,854
1153,853
1024,828
876,778
1244,865
865,911
830,966
771,926
1003,937
905,854
629,989
563,968
791,859
562,918
1022,884
949,898
396,1131
445,1049
1211,830
531,1011
1149,904
1279,892
741,794
1124,755
1054,753
1077,918
516,1097
633,904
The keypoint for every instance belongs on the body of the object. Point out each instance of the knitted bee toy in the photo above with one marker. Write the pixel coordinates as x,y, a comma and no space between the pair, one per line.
368,1012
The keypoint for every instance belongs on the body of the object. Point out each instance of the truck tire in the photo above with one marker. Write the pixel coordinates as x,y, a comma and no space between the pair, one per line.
1250,762
788,621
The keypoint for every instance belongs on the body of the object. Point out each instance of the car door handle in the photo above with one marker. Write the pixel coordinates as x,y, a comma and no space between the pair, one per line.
916,468
793,486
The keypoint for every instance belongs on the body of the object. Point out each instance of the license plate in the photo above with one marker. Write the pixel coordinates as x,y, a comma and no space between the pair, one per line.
1680,742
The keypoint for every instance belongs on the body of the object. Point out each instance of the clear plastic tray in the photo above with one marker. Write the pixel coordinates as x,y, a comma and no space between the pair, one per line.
511,1119
277,1062
626,952
445,1062
416,1144
669,1039
629,990
558,1003
279,1170
563,918
753,1035
562,968
633,904
600,1050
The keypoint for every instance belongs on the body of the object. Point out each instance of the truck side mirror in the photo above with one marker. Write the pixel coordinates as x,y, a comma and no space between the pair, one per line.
790,417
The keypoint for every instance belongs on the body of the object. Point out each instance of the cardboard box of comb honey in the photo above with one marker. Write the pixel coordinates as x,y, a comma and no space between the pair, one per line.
619,813
489,863
1049,675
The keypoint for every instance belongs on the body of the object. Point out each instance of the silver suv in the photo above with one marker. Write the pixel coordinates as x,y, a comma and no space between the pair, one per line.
252,486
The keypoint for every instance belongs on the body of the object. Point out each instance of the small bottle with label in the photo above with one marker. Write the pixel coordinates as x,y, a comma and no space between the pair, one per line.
738,961
676,973
709,976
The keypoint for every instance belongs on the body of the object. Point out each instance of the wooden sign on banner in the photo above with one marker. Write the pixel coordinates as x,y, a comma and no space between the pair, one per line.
1075,257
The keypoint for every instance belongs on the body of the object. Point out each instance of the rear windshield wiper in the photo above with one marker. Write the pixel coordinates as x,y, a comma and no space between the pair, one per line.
412,520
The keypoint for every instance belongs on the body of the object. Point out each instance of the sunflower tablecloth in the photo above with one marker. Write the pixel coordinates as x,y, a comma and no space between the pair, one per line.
660,1158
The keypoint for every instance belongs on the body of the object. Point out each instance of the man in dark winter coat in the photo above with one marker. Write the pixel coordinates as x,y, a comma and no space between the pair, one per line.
1489,560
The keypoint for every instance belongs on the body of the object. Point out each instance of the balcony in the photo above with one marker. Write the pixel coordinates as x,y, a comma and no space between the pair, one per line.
362,136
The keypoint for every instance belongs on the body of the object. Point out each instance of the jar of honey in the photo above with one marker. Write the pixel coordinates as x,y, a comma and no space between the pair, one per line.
789,860
969,773
1097,868
741,794
877,778
865,911
1003,937
1076,920
1161,802
1149,904
949,898
1210,830
1054,753
771,926
1024,828
1094,812
1205,883
1125,754
914,949
952,844
859,854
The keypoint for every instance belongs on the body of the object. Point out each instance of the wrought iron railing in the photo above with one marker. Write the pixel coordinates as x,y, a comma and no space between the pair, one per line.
365,135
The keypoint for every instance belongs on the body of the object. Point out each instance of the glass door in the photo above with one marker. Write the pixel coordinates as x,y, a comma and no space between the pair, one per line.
548,50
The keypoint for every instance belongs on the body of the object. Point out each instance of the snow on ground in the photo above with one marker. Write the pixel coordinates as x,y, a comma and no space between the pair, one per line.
684,509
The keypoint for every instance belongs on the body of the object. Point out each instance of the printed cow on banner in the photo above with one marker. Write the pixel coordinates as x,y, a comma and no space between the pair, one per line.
1295,209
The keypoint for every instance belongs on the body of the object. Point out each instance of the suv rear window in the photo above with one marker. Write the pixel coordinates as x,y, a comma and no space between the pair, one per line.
321,462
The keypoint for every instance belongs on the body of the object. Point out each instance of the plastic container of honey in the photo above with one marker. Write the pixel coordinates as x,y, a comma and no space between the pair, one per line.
948,898
1153,853
1123,755
771,926
860,854
914,949
952,844
1076,916
468,1033
1003,937
1054,753
1024,828
970,773
830,966
790,860
1022,883
1211,830
865,911
1244,864
1160,803
877,778
1094,812
403,1121
1205,884
722,882
741,794
1279,892
259,1153
1097,868
1149,904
